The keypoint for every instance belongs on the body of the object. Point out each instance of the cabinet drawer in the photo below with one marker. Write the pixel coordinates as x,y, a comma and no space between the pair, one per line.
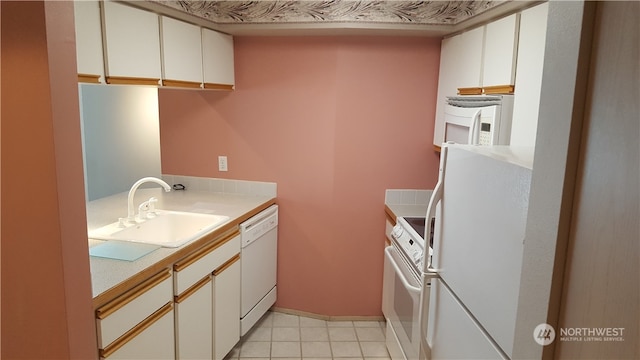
193,268
152,339
131,308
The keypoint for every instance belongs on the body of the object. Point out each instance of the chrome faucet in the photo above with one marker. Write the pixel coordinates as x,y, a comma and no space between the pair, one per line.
130,207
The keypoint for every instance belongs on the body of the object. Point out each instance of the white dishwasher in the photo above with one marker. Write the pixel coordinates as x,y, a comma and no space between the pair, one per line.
259,256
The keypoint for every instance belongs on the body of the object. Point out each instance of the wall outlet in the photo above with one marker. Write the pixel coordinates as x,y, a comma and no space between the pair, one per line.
222,163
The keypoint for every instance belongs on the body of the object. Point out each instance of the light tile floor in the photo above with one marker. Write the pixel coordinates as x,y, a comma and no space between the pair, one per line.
285,336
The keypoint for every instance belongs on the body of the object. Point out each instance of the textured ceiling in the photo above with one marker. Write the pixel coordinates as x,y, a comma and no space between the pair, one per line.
332,11
336,17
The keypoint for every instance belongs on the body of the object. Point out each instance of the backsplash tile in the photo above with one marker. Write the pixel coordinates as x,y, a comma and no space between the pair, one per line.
407,197
224,186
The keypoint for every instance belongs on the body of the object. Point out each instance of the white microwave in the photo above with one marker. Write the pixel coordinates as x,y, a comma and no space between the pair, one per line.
478,119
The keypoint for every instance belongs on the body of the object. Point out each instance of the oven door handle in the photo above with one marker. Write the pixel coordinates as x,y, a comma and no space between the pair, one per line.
405,282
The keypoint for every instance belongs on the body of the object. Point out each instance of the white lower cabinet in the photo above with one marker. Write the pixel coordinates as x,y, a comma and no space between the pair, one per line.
226,302
194,338
208,312
139,323
192,312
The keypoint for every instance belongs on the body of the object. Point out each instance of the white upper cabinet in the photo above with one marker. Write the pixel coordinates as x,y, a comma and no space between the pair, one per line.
217,59
89,41
526,102
460,67
461,61
132,44
181,53
121,44
486,60
500,48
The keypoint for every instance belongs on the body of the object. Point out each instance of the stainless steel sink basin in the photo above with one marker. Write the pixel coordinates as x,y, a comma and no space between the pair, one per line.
167,229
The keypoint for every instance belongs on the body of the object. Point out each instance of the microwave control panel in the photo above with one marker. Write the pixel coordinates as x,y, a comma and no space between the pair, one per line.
485,134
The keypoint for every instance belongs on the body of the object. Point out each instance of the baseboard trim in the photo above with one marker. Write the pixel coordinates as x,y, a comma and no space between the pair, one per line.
326,317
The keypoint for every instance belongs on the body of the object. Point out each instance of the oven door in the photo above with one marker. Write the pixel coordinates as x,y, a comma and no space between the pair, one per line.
401,306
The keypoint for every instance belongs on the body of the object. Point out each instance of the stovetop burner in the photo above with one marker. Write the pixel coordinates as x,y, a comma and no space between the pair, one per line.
418,224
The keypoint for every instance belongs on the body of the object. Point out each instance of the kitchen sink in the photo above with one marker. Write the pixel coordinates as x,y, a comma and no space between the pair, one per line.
167,228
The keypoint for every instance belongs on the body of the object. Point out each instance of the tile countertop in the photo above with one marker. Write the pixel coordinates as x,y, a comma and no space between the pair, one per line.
396,210
406,202
109,276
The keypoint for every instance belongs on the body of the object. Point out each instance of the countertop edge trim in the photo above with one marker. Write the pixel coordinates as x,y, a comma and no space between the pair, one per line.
391,216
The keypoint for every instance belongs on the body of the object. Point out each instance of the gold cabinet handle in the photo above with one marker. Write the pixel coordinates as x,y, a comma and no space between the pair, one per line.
132,294
135,331
124,80
179,266
190,291
226,265
213,86
181,83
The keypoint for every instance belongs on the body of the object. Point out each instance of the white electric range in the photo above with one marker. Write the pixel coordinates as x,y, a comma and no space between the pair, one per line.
402,286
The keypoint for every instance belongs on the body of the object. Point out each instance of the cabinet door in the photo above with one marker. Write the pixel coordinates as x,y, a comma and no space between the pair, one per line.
226,307
500,46
217,60
467,53
526,102
132,44
460,67
194,318
89,41
181,53
153,340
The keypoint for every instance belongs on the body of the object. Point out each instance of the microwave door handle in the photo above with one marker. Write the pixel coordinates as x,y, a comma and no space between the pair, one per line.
474,131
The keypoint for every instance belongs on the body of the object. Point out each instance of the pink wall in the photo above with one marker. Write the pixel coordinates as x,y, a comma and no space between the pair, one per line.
334,121
47,309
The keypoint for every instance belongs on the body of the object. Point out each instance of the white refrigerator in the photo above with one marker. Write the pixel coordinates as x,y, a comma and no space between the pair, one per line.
480,204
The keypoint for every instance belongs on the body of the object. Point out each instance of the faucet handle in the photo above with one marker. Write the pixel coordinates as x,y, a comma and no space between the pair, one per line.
147,209
151,211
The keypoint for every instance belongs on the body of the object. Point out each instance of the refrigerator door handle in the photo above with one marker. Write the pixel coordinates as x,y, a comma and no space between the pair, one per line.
424,314
436,197
474,131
